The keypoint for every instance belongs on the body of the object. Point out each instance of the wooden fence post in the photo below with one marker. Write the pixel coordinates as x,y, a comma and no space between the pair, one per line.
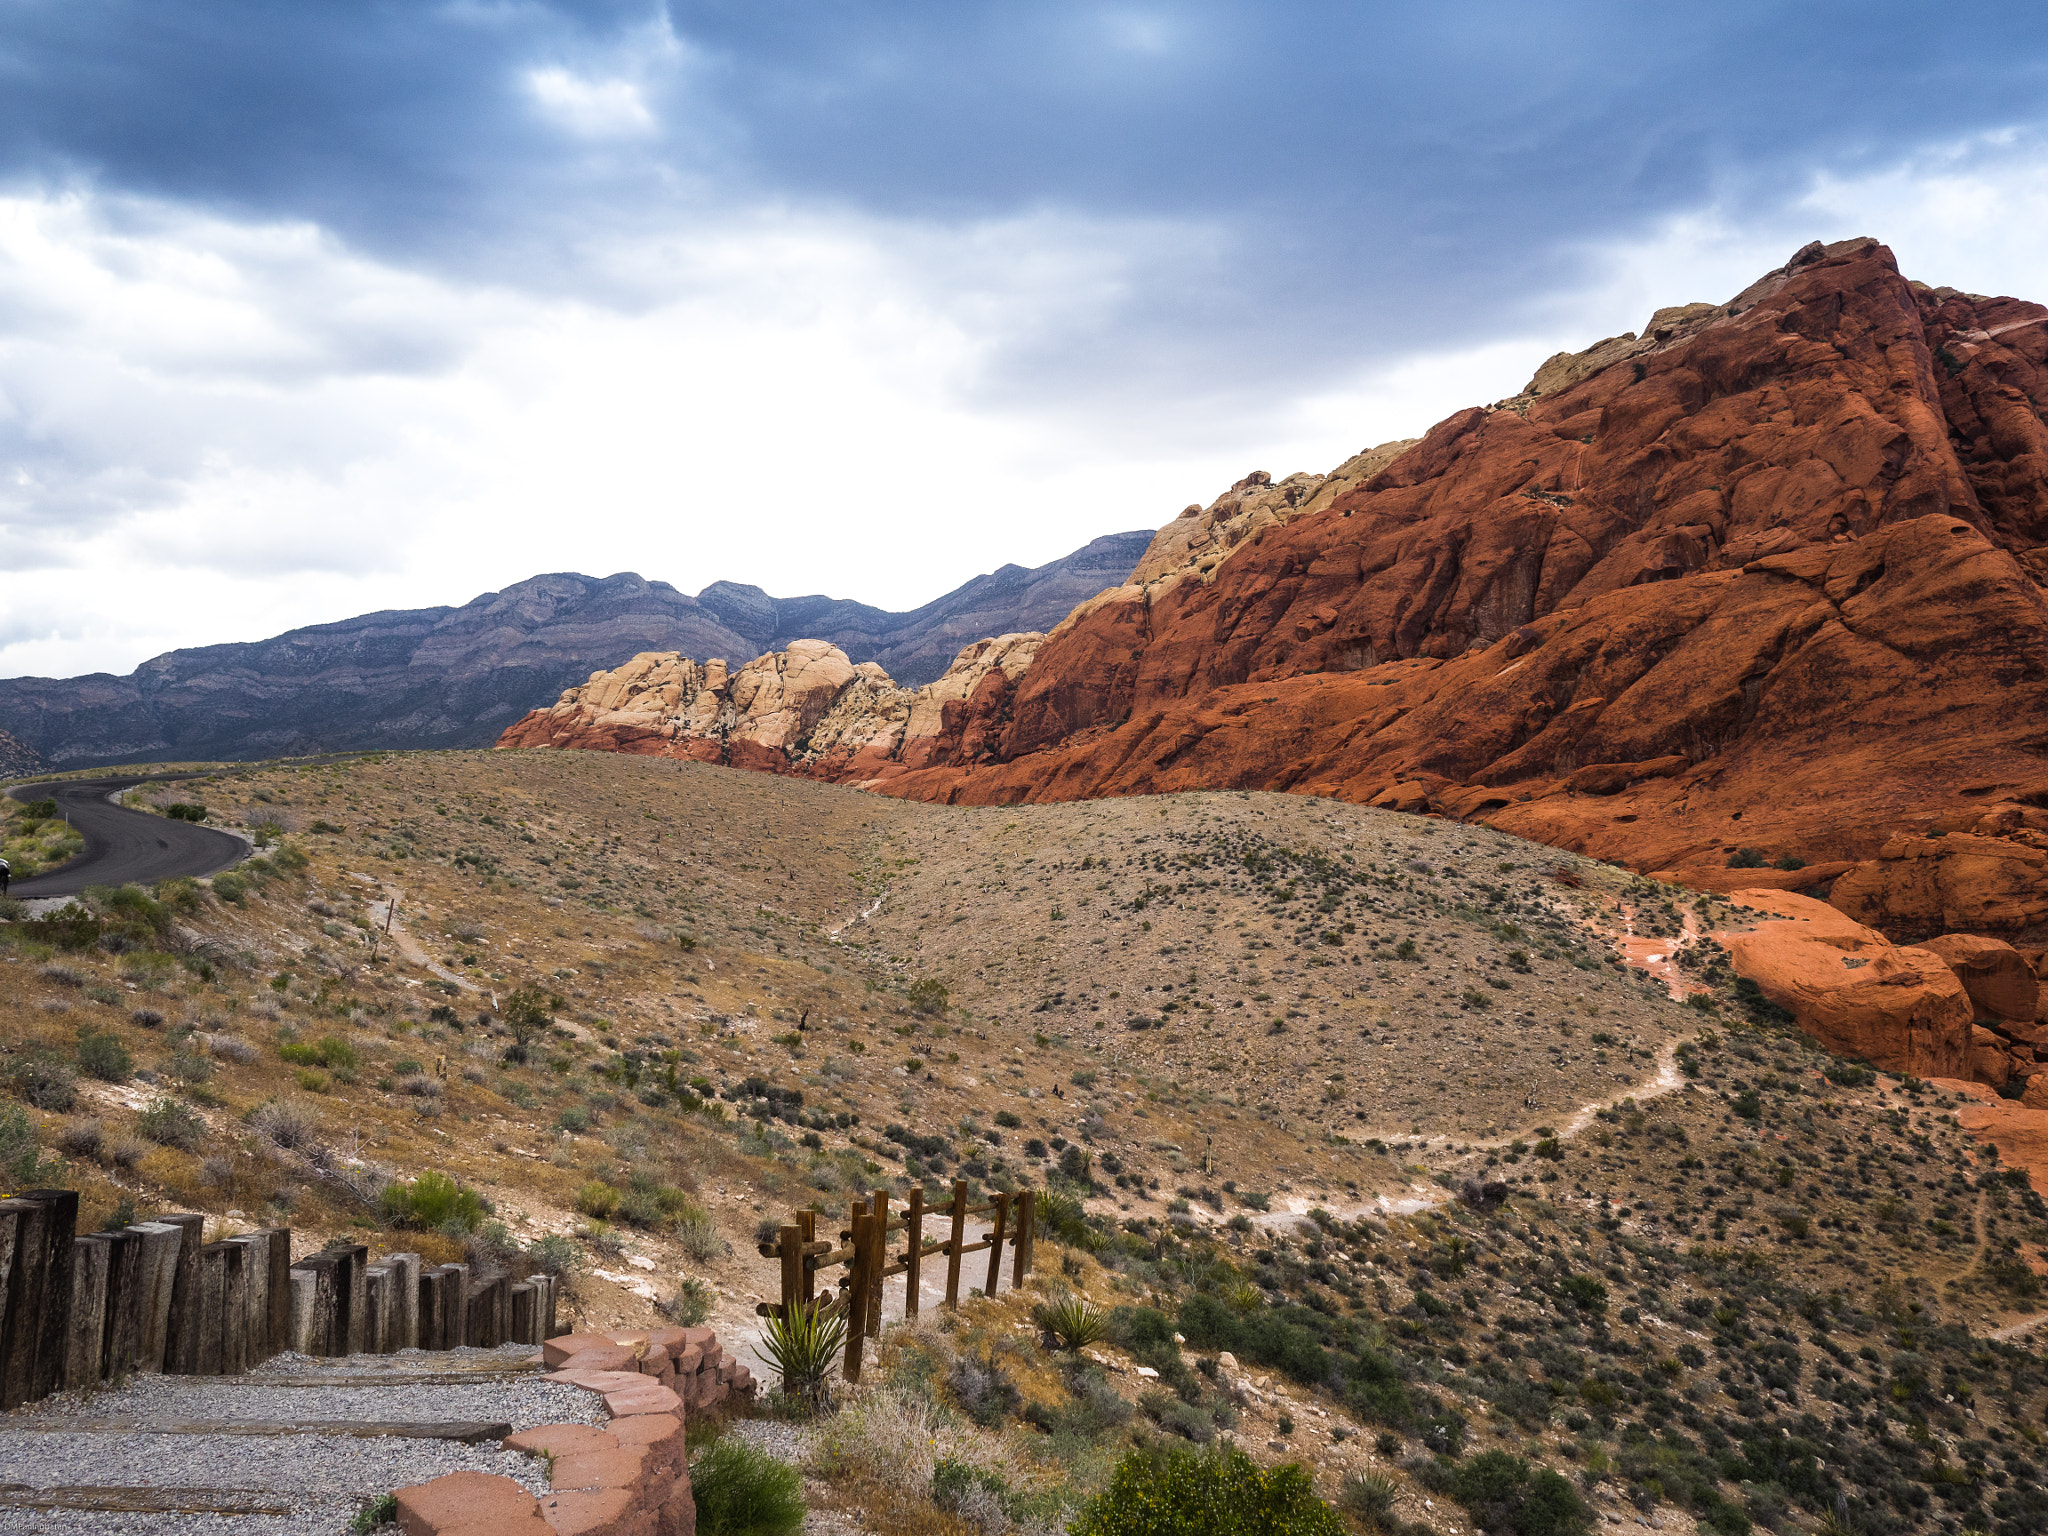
878,1260
807,1270
958,1241
1020,1245
913,1226
995,1243
790,1243
856,1297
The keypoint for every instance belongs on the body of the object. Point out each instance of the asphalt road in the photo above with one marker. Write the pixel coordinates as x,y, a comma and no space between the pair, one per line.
123,845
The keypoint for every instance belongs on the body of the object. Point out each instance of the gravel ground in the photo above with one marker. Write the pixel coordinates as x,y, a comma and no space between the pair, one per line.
325,1478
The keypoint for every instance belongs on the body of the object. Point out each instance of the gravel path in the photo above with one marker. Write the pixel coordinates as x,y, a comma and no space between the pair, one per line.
325,1479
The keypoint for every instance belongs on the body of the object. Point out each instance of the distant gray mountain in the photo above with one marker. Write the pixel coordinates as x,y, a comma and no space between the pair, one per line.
916,647
456,677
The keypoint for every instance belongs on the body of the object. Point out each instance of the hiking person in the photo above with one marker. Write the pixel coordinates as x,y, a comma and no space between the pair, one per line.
6,871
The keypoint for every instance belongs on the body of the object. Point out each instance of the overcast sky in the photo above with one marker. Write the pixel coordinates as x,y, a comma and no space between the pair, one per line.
312,307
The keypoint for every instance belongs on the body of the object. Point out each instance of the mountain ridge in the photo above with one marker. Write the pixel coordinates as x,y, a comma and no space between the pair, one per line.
456,676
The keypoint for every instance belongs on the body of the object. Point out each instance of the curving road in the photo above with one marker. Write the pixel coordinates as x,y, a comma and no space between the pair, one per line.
123,845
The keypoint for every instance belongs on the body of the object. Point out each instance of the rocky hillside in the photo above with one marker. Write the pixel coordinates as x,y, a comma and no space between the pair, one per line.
456,677
16,760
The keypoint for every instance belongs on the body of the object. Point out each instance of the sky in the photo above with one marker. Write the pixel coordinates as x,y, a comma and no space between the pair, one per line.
314,308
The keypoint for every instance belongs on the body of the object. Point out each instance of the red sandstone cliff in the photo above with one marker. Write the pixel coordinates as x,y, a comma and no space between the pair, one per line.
1768,576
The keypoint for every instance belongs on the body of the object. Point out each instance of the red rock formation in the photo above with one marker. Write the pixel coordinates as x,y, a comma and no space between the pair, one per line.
1899,1008
1768,579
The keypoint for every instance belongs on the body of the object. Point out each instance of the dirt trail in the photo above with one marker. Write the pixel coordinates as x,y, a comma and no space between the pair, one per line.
1665,1079
385,921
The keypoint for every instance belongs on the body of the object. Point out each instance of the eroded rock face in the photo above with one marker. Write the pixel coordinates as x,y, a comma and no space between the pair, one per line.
805,709
1999,979
1853,990
1768,576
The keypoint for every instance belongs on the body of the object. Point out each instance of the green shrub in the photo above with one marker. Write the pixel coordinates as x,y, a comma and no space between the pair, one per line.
691,1303
928,997
743,1491
170,1124
433,1202
20,1153
229,886
1748,858
1183,1492
598,1199
1505,1495
574,1119
41,1080
556,1253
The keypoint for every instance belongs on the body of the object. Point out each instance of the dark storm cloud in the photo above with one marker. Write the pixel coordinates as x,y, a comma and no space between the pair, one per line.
1406,172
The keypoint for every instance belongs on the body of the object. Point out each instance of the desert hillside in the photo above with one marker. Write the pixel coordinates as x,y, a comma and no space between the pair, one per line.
1425,1140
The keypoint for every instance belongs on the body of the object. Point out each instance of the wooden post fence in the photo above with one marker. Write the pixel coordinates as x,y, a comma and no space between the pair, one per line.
863,1250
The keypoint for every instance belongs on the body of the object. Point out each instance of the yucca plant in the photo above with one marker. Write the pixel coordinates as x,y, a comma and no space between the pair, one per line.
1369,1495
801,1345
1069,1321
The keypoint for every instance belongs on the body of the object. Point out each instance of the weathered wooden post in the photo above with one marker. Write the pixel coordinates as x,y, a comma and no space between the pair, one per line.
790,1249
82,1346
209,1307
956,1242
405,1321
878,1260
358,1299
857,1295
62,1205
807,1267
234,1307
995,1243
302,1291
277,1289
380,1301
158,1266
913,1254
121,1338
1027,1229
181,1326
254,1317
25,1234
522,1299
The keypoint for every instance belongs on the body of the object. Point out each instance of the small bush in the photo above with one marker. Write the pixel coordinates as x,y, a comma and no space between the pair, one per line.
597,1199
691,1303
1184,1492
699,1239
43,1082
743,1491
983,1389
1504,1494
103,1056
286,1123
575,1119
170,1124
433,1202
20,1152
83,1138
928,998
1748,858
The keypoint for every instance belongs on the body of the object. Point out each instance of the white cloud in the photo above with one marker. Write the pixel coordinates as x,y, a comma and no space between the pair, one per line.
212,430
590,109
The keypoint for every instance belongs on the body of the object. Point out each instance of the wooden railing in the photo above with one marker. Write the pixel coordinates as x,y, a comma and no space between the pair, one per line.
862,1250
